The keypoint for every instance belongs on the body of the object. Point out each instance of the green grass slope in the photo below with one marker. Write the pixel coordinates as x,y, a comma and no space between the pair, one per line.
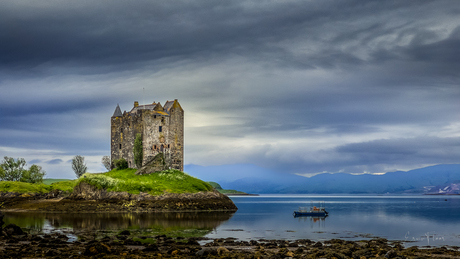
168,181
51,180
20,187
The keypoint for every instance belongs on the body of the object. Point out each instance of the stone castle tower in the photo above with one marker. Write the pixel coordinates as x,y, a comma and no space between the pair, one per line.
162,130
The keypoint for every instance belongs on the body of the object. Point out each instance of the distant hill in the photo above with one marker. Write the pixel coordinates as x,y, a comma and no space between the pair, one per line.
224,191
253,179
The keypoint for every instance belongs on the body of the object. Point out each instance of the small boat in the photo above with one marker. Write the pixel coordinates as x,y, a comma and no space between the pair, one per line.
312,211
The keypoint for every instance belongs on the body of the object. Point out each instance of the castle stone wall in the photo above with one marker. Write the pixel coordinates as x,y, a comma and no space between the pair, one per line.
162,132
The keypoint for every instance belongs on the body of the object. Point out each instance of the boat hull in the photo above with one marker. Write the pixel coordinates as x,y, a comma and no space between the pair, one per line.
310,213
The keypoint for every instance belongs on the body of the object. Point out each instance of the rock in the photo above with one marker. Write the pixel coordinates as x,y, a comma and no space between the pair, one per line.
54,194
125,233
12,229
206,251
97,248
390,254
222,250
85,191
151,248
318,244
1,222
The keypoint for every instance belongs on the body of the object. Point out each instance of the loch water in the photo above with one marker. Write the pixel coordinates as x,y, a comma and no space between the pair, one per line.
421,220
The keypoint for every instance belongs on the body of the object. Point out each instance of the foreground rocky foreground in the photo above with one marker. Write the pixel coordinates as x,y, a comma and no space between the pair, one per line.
15,243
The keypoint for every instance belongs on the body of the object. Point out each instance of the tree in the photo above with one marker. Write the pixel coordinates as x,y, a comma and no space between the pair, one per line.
35,174
137,150
106,162
78,165
12,170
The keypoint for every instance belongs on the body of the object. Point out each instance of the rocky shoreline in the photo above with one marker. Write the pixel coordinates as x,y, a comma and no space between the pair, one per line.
87,198
15,243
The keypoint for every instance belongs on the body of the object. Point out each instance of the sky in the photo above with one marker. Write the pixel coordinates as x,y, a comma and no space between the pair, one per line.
299,87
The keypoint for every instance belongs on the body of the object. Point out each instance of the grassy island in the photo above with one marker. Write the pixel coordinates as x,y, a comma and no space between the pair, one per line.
120,190
168,181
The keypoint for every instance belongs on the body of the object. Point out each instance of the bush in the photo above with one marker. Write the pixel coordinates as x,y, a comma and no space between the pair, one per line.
120,164
35,174
101,181
137,151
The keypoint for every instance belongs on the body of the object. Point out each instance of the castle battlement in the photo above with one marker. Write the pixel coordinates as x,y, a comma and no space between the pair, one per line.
161,128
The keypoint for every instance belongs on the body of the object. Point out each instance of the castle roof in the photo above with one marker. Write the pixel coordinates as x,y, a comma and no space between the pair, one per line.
155,108
117,112
168,106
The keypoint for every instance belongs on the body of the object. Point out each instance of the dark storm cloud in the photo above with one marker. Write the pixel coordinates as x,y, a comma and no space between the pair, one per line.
277,70
124,33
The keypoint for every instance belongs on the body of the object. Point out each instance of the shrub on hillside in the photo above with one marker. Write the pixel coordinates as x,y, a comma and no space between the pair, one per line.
120,164
101,181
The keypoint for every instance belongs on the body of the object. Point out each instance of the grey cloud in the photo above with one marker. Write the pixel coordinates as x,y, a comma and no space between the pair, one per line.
35,161
278,70
54,161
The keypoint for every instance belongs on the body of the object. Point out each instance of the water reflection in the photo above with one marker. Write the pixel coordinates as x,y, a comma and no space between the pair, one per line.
114,221
314,222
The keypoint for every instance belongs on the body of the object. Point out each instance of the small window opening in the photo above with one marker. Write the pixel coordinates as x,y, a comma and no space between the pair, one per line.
120,146
161,148
160,129
154,146
154,116
168,145
162,119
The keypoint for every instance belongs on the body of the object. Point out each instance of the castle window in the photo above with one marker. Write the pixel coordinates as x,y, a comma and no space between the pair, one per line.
160,128
168,145
154,146
163,119
120,146
154,116
161,148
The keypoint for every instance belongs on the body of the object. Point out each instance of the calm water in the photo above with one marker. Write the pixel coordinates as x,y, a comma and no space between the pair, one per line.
424,220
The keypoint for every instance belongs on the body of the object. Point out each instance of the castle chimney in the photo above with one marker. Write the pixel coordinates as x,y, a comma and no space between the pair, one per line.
136,103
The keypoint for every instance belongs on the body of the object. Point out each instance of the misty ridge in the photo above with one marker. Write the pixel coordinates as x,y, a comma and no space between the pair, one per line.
437,179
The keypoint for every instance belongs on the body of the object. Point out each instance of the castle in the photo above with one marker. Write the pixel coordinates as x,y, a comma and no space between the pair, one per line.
161,128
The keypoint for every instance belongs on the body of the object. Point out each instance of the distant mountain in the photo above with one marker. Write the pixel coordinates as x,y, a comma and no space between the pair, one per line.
253,179
451,188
